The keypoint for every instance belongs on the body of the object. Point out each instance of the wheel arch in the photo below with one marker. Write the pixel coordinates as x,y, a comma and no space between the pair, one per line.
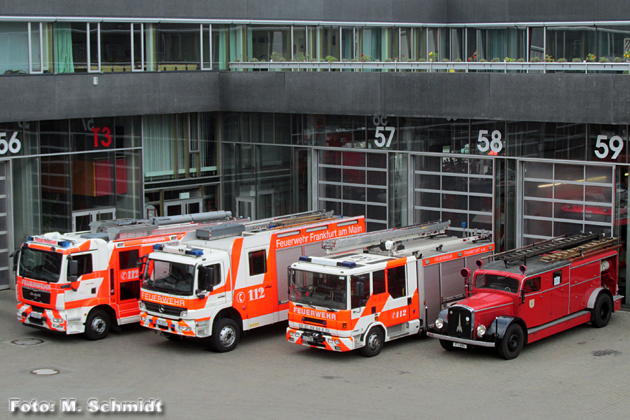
592,299
502,323
230,313
378,325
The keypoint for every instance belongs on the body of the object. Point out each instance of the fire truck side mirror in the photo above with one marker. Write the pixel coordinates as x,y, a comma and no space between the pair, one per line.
205,276
522,295
16,258
360,289
141,265
73,270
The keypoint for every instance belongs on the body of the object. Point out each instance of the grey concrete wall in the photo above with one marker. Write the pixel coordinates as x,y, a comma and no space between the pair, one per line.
334,10
421,11
116,94
576,98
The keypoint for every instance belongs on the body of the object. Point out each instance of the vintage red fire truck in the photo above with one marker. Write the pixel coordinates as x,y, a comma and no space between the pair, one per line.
533,292
378,286
218,282
85,282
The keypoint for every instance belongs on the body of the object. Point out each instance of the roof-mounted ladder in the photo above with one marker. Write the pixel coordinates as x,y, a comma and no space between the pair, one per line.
580,251
290,220
378,238
539,248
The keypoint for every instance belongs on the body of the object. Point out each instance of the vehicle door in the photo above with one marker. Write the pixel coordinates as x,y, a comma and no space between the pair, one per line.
125,286
359,296
398,301
534,301
88,281
560,293
261,293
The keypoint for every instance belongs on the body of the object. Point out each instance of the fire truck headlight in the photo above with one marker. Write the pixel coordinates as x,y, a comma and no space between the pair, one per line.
183,314
142,306
439,323
481,330
58,320
181,328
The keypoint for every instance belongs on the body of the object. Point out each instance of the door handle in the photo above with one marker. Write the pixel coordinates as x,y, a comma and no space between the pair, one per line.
268,287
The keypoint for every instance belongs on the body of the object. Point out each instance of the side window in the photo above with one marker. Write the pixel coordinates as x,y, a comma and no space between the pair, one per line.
84,263
532,285
128,259
257,262
396,281
212,277
130,290
378,282
359,290
557,278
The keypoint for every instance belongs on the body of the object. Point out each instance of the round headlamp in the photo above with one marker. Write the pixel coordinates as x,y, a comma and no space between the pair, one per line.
439,323
481,330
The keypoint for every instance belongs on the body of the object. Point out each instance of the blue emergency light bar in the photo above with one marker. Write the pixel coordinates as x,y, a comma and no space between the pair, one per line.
194,252
328,261
158,247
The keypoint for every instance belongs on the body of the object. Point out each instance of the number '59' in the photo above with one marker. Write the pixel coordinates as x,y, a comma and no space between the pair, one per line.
602,149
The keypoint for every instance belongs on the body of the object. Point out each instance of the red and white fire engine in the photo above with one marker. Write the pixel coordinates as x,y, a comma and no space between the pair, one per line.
533,292
218,282
378,286
83,282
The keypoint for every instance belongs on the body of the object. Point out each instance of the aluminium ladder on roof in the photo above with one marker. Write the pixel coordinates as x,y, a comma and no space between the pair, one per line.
370,239
290,220
555,244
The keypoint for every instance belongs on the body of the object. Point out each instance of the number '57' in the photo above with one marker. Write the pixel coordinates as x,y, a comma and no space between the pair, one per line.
615,144
384,141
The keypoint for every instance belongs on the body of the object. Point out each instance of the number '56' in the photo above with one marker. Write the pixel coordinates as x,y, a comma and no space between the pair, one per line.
12,145
615,144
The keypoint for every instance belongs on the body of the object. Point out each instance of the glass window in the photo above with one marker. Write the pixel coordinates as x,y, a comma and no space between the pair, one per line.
532,285
396,281
14,41
269,42
612,40
93,181
55,192
178,46
130,290
257,262
378,282
210,277
84,263
571,42
40,265
360,290
115,46
128,259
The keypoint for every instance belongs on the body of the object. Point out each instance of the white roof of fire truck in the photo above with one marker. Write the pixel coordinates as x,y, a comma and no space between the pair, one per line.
126,229
421,241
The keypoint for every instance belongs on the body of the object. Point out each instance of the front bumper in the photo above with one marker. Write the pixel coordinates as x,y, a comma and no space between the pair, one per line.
319,340
47,319
186,328
462,340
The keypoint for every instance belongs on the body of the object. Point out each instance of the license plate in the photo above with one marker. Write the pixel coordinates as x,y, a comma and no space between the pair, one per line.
36,315
161,323
460,345
306,339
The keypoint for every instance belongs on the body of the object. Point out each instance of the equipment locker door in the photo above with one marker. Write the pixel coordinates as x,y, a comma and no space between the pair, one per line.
126,284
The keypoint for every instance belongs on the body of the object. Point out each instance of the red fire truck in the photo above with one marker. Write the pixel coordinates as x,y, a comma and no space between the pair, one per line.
379,286
533,292
220,281
82,282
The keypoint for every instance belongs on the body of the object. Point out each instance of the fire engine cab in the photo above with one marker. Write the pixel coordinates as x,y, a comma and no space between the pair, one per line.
220,281
533,292
378,286
82,282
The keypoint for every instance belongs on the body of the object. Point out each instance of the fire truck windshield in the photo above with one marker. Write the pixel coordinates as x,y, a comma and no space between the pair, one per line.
318,289
40,265
170,277
496,282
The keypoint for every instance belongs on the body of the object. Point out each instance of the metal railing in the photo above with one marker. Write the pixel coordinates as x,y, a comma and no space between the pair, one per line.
429,66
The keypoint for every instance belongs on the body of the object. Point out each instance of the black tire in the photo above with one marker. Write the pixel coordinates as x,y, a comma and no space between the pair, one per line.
97,325
447,345
173,337
512,343
374,341
225,335
602,311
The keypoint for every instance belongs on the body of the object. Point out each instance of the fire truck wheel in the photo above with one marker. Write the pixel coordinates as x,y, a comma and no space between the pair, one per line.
373,342
447,345
602,311
97,325
225,335
512,343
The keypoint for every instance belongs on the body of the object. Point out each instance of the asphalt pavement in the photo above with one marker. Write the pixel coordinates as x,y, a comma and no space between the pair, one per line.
583,373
